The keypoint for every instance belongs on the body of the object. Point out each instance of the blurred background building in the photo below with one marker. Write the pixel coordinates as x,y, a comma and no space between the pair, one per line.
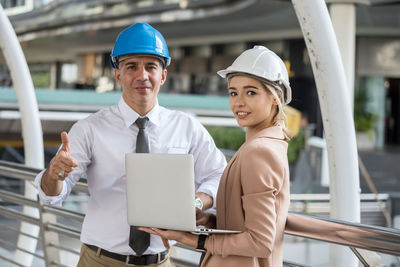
67,45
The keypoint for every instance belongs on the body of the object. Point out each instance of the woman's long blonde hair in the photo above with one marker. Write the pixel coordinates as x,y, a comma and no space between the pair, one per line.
280,118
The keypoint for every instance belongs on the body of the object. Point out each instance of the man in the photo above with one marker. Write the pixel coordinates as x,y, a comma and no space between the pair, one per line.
97,146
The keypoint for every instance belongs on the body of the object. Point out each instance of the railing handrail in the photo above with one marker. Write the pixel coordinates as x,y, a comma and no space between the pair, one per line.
326,197
20,171
375,238
17,170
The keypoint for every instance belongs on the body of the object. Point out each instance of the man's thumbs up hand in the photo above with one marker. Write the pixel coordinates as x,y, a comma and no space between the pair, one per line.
65,142
62,164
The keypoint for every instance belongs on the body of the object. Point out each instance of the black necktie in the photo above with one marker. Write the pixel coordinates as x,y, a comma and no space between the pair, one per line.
139,241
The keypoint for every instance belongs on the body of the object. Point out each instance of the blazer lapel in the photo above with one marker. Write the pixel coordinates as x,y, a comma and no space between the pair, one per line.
221,195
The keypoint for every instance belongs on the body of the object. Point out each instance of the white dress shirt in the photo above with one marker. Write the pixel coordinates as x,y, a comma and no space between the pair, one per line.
99,143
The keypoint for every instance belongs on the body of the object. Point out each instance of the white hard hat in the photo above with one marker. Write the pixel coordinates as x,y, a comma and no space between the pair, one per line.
264,64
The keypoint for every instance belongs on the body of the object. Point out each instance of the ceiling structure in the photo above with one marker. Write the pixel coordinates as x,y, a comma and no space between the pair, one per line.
66,29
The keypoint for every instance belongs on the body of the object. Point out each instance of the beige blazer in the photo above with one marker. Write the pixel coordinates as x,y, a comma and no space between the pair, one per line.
253,197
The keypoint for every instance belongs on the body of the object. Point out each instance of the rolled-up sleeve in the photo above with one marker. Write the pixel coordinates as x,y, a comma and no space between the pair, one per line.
50,200
210,162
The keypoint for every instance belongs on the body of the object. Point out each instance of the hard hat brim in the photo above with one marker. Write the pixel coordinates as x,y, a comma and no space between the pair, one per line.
287,92
223,73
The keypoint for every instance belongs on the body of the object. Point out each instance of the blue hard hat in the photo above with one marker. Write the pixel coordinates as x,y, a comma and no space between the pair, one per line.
140,38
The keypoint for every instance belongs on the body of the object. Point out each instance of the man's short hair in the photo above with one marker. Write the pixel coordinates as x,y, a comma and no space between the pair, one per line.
123,57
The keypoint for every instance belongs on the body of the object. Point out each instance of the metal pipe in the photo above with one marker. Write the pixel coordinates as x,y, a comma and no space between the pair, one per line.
338,123
379,239
64,230
18,171
359,256
11,261
8,244
64,212
18,199
19,216
16,231
18,166
81,187
31,126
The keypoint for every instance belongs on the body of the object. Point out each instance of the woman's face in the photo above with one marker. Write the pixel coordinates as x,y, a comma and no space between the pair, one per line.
252,105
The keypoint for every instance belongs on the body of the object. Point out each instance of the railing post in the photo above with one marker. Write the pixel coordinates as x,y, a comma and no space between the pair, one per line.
49,238
366,257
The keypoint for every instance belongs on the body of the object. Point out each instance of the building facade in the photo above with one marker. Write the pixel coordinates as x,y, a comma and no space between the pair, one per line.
67,45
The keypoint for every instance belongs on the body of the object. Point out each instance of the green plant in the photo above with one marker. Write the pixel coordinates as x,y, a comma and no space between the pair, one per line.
296,144
364,121
227,138
41,79
233,138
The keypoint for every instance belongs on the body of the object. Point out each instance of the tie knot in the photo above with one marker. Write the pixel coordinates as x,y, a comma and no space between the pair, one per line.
142,122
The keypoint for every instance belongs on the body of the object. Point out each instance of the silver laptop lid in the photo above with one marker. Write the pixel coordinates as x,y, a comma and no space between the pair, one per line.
160,191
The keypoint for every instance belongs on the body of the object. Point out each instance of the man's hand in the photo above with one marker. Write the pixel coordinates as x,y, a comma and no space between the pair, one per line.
182,237
205,219
60,167
206,199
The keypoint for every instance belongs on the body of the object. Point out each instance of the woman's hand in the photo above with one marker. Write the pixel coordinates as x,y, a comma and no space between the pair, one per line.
205,219
182,237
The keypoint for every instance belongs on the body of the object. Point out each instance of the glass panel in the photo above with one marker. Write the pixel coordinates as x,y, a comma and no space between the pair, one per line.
12,3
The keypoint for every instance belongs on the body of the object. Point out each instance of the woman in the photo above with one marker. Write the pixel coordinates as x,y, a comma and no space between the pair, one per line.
253,194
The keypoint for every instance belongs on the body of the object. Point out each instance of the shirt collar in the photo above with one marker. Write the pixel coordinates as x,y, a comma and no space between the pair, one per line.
130,116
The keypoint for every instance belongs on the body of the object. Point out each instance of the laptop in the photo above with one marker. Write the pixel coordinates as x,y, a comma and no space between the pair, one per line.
160,192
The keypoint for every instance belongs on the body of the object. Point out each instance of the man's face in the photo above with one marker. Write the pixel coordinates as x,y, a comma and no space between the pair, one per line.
140,78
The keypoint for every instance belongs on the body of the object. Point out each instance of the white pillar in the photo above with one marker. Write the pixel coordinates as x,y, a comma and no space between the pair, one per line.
31,127
336,110
343,18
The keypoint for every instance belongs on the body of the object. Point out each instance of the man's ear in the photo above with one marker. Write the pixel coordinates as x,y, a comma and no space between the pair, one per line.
117,74
163,76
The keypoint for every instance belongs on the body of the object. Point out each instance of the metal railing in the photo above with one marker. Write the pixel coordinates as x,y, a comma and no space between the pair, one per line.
375,208
353,235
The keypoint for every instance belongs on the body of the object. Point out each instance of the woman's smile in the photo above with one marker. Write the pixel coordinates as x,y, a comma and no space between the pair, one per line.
242,114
